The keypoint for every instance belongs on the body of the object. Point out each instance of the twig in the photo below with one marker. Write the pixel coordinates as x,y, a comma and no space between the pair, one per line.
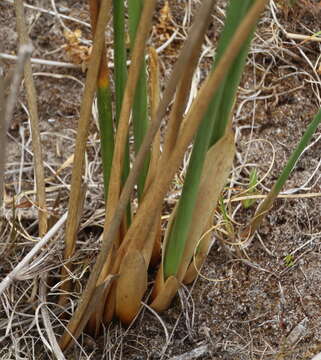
3,137
41,61
194,354
23,54
282,196
58,16
303,37
34,121
45,11
26,260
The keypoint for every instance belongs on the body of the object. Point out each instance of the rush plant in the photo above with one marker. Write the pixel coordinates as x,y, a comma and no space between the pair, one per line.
131,241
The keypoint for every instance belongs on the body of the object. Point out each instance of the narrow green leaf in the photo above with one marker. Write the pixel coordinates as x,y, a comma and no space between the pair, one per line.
252,189
306,138
140,107
120,75
120,58
227,222
265,206
222,104
104,103
212,128
106,132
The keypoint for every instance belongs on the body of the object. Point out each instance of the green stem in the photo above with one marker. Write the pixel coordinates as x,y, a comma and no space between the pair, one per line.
267,203
211,130
140,106
120,76
106,132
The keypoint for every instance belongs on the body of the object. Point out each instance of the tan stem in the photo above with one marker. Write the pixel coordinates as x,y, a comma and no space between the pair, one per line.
34,121
76,193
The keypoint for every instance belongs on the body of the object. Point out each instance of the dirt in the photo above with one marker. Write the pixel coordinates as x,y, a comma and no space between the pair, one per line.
263,306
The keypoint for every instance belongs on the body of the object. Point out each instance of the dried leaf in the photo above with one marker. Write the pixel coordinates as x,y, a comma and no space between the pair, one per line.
77,53
217,167
131,286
